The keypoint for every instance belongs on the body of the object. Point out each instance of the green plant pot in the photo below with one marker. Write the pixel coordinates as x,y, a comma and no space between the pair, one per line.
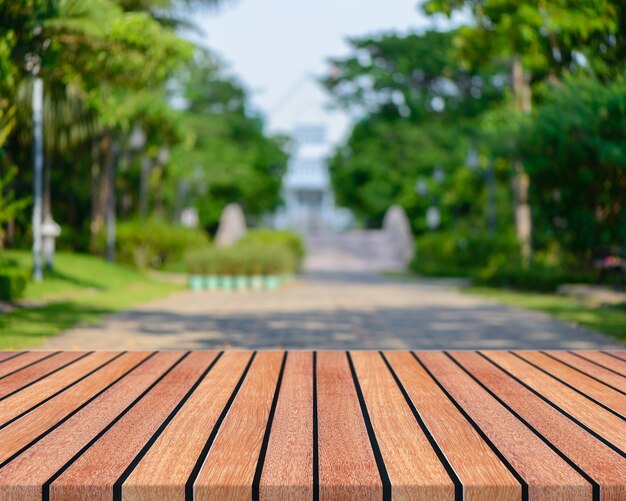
256,282
226,282
271,282
196,283
211,282
240,282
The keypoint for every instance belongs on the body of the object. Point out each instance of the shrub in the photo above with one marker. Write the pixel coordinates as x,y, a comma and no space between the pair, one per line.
536,277
448,253
154,243
241,259
13,282
289,239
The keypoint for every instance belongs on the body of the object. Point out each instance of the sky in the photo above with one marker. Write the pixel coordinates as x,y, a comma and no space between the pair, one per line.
272,46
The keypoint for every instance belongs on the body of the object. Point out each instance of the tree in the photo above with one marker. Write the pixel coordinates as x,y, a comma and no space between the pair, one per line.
418,106
575,152
542,41
414,76
225,156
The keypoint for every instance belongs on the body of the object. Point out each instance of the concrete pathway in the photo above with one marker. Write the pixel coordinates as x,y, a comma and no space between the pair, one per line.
331,308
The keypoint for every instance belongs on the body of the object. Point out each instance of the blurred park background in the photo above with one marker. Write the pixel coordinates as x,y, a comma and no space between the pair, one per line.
479,140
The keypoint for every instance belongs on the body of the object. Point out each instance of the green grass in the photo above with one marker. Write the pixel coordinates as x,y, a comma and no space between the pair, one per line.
605,319
81,289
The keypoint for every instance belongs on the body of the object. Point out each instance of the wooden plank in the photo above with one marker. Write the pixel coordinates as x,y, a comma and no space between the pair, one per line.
415,471
229,469
606,376
619,354
599,392
601,463
604,360
17,363
164,470
481,473
26,399
596,418
347,467
21,432
547,475
7,355
29,375
95,473
288,469
23,478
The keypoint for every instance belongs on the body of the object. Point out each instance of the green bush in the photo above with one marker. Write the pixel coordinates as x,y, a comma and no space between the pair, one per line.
241,259
461,254
154,243
536,277
13,282
289,239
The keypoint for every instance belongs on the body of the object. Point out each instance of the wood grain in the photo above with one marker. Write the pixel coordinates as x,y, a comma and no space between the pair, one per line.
166,467
7,355
21,432
595,417
17,363
33,395
600,392
548,476
415,471
600,462
76,432
591,369
347,467
480,471
93,475
288,469
618,354
488,426
228,471
28,375
604,360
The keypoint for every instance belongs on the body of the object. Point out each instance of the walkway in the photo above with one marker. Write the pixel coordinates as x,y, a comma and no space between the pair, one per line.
353,309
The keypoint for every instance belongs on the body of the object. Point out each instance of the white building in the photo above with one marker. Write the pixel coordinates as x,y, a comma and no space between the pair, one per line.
315,130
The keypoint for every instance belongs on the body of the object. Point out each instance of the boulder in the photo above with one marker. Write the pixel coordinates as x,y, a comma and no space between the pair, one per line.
232,226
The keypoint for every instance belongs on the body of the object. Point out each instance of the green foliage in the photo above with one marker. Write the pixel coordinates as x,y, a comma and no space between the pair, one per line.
575,154
225,156
535,277
289,239
13,281
251,258
154,243
383,161
461,253
549,37
411,76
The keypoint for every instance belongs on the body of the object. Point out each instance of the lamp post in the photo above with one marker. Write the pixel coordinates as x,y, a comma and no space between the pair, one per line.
37,105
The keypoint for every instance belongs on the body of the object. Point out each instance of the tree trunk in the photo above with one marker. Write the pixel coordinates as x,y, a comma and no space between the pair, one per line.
100,151
144,179
521,182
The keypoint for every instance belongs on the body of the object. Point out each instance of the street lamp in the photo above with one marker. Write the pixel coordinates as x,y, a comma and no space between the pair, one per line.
33,64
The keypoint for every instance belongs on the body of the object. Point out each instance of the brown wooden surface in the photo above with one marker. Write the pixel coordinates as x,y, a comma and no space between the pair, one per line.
473,426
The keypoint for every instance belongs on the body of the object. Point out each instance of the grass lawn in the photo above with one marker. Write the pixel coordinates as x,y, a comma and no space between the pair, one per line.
609,320
81,289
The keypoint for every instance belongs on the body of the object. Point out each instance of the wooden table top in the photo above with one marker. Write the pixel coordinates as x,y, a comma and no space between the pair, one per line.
489,425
